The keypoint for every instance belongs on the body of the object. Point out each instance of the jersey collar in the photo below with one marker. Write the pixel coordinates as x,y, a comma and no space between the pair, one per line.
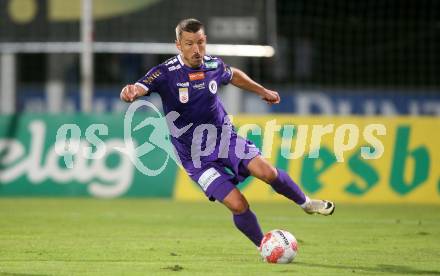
202,67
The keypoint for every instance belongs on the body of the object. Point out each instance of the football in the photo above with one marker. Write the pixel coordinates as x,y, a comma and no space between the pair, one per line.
278,246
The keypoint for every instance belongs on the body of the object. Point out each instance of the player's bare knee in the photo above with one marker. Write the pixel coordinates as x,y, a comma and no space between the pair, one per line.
268,174
236,202
240,207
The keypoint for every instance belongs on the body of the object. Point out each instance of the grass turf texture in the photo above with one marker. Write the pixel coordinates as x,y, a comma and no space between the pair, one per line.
154,237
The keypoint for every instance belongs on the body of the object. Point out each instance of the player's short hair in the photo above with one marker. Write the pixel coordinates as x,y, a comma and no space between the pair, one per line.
190,25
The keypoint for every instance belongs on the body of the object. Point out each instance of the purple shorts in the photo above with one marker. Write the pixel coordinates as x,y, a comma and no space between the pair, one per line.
218,176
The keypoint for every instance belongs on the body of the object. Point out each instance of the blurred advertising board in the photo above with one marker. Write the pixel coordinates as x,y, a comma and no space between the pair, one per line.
359,102
396,161
300,102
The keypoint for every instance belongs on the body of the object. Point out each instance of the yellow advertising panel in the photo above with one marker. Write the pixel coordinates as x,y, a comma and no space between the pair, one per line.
345,159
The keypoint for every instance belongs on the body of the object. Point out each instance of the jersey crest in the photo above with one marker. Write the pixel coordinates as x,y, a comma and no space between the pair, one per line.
183,94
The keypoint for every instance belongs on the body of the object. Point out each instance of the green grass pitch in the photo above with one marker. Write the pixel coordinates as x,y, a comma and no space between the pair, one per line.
157,237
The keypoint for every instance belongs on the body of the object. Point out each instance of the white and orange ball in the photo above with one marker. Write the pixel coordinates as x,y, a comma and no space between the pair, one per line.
279,246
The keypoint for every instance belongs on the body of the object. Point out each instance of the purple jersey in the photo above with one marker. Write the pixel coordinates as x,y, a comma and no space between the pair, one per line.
190,92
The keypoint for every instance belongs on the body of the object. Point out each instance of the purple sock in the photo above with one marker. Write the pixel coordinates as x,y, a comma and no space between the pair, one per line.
285,186
247,223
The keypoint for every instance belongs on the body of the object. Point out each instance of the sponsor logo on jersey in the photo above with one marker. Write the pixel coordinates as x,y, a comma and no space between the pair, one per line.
213,86
208,177
199,86
196,76
171,61
152,77
183,84
174,67
183,95
210,58
211,64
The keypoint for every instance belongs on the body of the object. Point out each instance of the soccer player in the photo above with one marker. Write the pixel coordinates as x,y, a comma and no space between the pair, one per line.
188,84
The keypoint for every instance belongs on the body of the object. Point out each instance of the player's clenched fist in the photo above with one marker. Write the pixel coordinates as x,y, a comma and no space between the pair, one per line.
271,97
131,92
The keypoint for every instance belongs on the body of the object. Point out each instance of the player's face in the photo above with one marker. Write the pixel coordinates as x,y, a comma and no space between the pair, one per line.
192,46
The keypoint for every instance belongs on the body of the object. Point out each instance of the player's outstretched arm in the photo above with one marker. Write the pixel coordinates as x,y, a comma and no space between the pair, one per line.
131,92
243,81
